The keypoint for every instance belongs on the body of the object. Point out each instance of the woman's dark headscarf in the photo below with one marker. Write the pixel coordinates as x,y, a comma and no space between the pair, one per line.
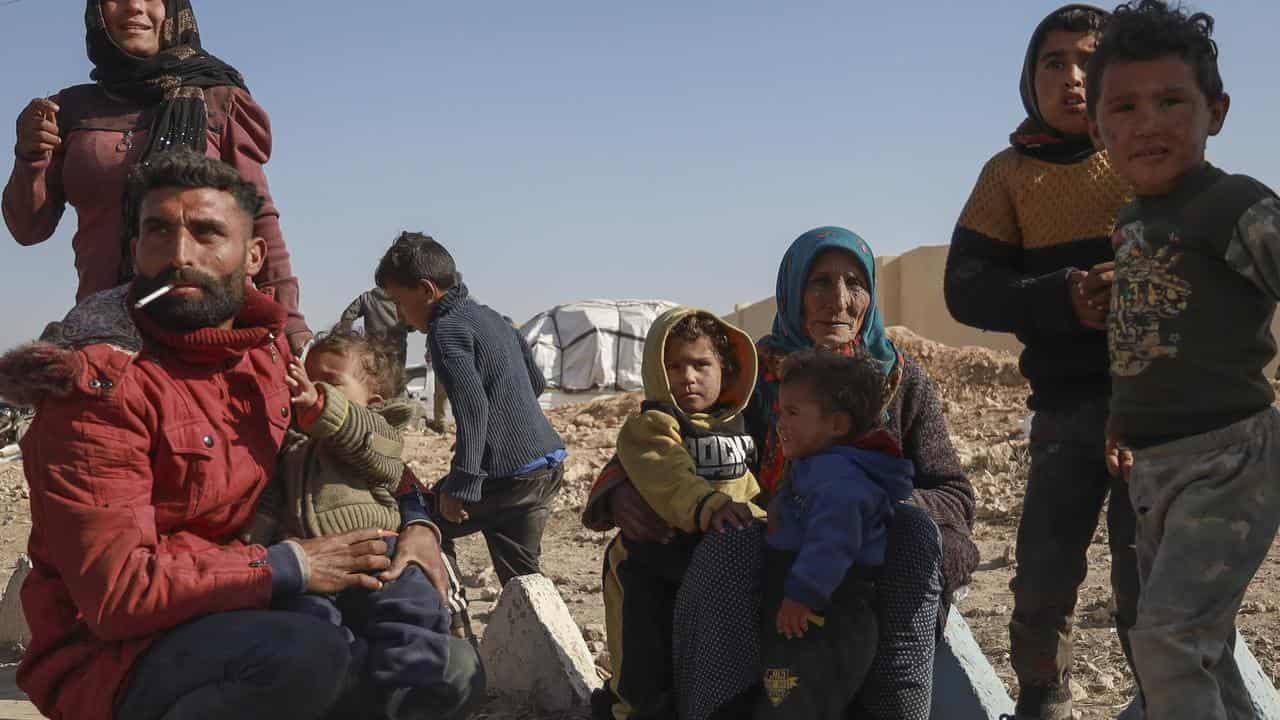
1035,135
174,80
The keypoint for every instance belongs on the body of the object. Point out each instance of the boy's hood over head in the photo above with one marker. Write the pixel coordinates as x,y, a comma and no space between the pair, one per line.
736,390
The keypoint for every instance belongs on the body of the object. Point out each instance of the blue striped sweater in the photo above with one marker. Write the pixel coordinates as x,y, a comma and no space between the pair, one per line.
488,373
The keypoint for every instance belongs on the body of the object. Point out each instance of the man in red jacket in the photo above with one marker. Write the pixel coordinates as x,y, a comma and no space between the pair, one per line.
143,468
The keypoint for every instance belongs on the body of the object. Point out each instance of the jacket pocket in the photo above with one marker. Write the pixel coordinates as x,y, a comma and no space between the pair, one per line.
188,471
280,410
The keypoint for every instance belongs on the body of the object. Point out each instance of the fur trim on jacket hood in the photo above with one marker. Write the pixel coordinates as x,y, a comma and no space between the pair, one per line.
29,373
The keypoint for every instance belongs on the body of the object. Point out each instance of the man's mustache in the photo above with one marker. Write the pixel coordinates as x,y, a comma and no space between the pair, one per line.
177,276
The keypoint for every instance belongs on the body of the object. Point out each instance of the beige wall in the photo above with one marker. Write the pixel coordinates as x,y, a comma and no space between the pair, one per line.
908,292
756,319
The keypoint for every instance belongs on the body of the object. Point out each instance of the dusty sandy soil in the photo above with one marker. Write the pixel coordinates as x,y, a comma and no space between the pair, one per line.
984,398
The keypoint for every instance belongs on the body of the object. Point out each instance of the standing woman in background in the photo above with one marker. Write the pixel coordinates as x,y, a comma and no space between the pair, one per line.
155,88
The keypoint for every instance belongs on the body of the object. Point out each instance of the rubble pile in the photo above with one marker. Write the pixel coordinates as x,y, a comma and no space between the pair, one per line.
590,431
966,367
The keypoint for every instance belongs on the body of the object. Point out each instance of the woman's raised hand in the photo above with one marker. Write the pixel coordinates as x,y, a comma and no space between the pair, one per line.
37,129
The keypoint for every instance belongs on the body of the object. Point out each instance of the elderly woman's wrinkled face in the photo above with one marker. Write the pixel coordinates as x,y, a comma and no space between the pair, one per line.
836,299
135,25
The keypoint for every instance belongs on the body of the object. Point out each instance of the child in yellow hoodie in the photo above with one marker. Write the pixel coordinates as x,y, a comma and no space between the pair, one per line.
688,454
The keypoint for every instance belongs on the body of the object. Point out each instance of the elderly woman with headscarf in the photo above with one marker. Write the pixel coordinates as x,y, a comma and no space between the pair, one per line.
826,299
154,88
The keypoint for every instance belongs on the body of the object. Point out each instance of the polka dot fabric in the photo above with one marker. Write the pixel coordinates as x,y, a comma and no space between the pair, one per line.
716,624
900,684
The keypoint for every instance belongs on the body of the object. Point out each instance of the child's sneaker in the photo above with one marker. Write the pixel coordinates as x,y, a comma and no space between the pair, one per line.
460,627
602,701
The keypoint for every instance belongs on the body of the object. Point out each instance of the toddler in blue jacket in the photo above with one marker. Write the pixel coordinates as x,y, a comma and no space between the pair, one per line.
828,527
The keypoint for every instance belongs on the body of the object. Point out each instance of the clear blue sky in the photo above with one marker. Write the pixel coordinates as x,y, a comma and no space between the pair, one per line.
568,150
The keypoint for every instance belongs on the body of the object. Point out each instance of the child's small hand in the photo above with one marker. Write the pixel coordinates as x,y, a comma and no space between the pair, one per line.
734,515
1097,286
793,619
304,392
1119,458
1086,303
451,508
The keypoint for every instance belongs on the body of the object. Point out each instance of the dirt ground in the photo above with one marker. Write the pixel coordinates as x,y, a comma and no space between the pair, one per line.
984,398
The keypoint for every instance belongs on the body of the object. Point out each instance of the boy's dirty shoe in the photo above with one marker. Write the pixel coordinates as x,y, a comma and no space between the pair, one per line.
602,700
1044,702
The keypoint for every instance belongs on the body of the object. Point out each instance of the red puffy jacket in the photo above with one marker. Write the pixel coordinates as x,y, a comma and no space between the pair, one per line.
142,468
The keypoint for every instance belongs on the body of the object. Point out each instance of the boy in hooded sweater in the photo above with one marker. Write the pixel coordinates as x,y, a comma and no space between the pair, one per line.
1031,255
688,454
828,529
343,471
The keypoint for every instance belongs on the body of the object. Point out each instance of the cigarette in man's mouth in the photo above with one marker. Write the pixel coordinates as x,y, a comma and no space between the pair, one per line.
152,297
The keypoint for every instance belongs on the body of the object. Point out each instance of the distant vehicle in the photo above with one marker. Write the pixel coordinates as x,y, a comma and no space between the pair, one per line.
14,422
418,389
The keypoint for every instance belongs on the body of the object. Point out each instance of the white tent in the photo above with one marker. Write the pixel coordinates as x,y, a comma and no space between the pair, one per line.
593,344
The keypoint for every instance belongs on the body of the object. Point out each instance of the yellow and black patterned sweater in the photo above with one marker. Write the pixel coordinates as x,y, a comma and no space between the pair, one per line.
1032,218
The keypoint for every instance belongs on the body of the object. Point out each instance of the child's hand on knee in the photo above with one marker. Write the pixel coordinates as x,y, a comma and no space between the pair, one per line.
734,515
793,619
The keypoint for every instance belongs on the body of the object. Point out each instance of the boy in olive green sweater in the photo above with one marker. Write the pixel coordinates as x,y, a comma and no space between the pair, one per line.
688,454
343,472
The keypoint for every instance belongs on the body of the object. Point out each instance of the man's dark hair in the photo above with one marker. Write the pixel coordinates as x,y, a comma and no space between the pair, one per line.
184,168
849,384
1150,30
699,325
415,257
376,357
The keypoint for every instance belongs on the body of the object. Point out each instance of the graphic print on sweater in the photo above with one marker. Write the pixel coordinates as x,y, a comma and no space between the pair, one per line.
1148,293
721,457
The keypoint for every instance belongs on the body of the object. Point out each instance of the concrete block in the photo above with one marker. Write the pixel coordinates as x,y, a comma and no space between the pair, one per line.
965,685
533,648
1266,701
14,633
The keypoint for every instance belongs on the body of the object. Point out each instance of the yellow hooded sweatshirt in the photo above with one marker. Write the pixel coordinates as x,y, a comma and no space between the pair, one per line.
687,466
